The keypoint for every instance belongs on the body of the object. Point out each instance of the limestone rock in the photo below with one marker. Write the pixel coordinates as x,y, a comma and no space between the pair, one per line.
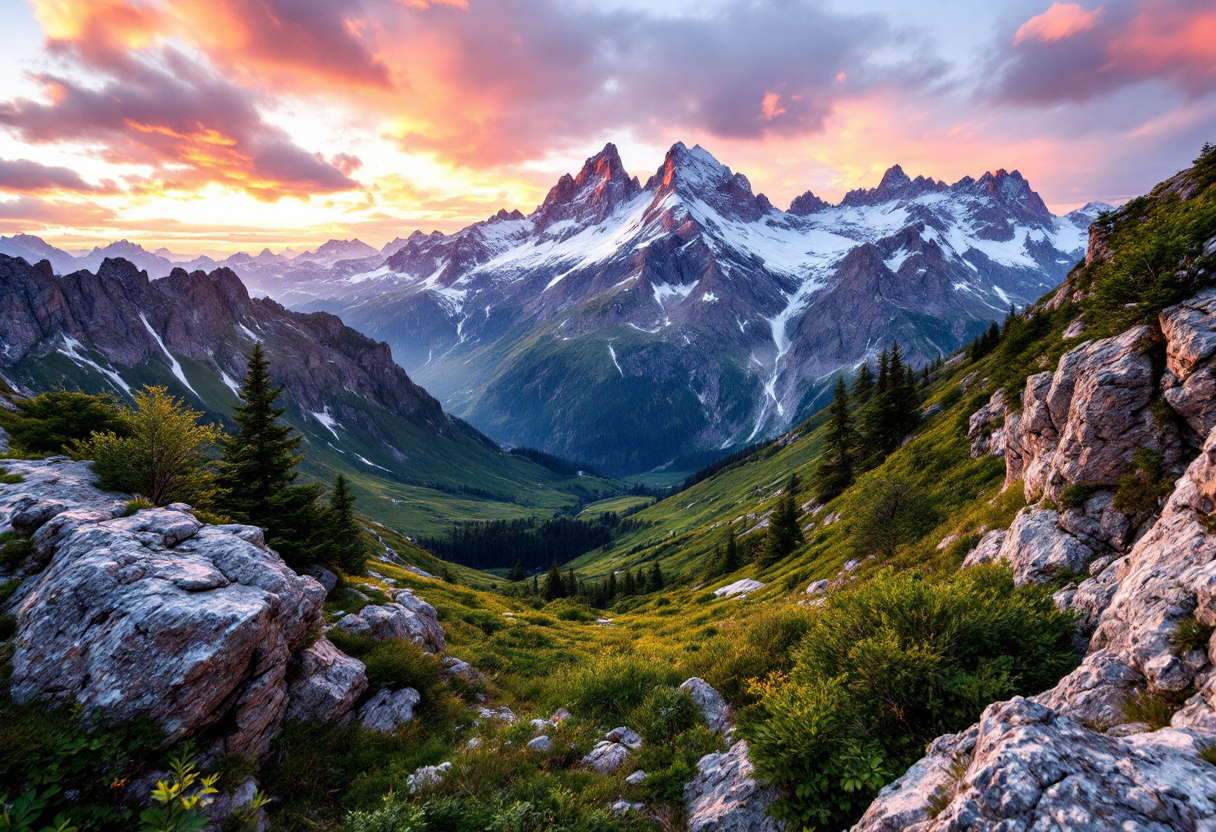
325,683
986,435
606,757
625,736
1081,424
416,622
714,710
1027,767
542,744
155,615
323,576
1190,355
725,797
388,710
427,776
637,778
739,588
624,807
987,549
1038,549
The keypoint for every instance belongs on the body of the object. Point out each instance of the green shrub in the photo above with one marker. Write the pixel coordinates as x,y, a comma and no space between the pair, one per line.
1208,755
17,551
392,663
48,423
886,667
8,627
395,815
1153,708
610,687
1141,490
138,504
666,713
1192,634
1075,495
887,512
10,479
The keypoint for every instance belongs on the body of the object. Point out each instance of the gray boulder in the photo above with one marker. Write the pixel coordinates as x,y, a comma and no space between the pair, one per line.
625,736
1038,549
155,615
427,777
325,683
1026,767
1081,424
714,710
986,427
542,744
388,710
1190,359
725,797
416,622
606,757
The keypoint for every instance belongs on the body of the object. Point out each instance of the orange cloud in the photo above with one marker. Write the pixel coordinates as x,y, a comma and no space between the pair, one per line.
1062,20
770,106
1164,38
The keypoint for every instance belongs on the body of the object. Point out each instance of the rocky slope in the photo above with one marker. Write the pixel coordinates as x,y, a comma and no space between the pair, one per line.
1117,743
116,330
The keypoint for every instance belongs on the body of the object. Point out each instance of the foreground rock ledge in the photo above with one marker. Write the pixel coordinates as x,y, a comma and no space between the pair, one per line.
157,615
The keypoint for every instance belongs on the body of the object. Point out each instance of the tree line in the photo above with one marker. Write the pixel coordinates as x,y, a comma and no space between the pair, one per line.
158,449
596,594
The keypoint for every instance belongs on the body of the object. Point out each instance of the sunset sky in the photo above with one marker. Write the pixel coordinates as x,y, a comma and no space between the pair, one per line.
218,125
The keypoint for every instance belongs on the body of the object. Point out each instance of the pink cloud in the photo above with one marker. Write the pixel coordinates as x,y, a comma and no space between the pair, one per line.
1058,22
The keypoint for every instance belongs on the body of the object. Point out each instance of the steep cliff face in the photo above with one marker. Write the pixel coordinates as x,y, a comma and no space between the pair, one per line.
1124,740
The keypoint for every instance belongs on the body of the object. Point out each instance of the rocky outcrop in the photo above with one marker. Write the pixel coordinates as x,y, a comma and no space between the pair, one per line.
1026,767
1074,757
157,615
606,757
325,683
1190,359
725,797
409,618
986,427
1081,424
388,710
714,710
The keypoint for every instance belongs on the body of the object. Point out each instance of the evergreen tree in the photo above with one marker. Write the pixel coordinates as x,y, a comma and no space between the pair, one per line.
554,585
612,590
784,533
257,463
535,585
344,543
571,584
730,556
517,571
628,585
863,385
884,361
835,472
656,577
639,581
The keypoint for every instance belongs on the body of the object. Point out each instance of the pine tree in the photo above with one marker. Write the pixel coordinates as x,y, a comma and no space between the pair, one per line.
835,472
517,571
612,590
639,581
784,533
628,585
884,362
345,544
863,385
535,585
571,584
554,585
257,465
656,577
730,556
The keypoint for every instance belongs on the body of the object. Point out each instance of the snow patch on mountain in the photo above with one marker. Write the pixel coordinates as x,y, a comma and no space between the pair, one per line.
174,366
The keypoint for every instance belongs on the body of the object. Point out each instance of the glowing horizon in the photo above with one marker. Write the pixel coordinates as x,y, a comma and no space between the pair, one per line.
213,127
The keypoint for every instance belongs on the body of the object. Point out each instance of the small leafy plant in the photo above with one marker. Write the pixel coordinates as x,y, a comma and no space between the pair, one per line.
180,798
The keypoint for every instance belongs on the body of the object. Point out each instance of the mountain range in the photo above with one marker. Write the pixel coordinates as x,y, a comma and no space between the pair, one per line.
633,324
411,463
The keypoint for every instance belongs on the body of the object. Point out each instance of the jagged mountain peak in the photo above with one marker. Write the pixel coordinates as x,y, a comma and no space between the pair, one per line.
894,185
589,196
806,204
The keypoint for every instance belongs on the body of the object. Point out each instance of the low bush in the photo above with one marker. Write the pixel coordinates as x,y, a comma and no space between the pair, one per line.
49,422
1142,489
393,663
886,667
1192,634
1153,708
666,713
611,687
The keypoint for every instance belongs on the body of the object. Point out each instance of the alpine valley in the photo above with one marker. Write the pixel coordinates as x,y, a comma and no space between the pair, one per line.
641,326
